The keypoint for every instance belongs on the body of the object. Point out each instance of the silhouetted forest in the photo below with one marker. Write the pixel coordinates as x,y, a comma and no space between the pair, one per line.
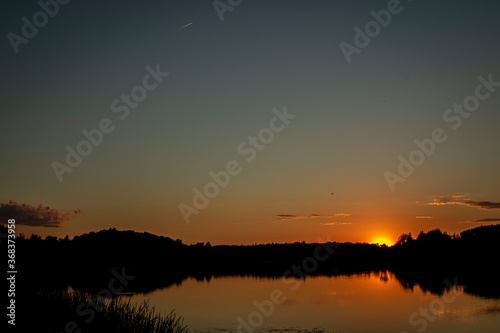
49,266
84,262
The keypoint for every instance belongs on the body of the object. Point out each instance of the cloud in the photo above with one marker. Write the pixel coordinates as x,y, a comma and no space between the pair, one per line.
341,215
483,204
286,217
490,219
335,223
39,216
464,200
283,217
424,217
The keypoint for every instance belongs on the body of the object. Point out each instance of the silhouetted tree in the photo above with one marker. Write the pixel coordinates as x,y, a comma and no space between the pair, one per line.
404,239
434,237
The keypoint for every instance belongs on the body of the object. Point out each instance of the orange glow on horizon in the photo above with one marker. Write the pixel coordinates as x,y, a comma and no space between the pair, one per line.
382,240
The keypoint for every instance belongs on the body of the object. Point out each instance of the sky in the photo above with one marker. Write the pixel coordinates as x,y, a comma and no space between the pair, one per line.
303,113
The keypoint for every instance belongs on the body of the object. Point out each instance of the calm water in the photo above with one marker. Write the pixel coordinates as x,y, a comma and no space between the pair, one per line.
372,302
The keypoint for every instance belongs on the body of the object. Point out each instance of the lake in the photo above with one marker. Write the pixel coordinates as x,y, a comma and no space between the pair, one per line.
368,302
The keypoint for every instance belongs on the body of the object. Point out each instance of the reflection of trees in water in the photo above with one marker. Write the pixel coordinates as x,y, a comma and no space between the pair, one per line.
434,284
159,262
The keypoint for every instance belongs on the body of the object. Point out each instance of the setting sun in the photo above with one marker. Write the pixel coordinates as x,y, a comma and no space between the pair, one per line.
382,240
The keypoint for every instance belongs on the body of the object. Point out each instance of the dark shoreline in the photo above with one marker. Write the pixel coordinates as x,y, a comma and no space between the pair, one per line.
94,262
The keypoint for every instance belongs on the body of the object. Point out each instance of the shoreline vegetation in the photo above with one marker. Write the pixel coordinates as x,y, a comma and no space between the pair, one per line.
58,311
144,262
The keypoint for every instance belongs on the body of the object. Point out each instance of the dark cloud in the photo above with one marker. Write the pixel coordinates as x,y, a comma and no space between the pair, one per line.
483,204
282,217
39,216
285,217
493,219
464,200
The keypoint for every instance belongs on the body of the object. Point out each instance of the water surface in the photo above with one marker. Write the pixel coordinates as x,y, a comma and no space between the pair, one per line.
370,302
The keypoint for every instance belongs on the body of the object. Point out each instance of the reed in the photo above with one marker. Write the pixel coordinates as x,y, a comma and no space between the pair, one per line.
109,314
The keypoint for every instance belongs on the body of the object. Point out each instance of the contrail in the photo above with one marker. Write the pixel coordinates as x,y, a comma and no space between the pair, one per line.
186,25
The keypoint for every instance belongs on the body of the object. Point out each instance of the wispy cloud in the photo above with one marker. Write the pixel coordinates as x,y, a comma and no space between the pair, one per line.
283,217
464,200
483,204
424,217
335,223
489,219
39,216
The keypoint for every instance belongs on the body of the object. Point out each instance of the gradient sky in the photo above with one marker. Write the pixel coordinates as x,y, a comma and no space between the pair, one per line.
352,120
